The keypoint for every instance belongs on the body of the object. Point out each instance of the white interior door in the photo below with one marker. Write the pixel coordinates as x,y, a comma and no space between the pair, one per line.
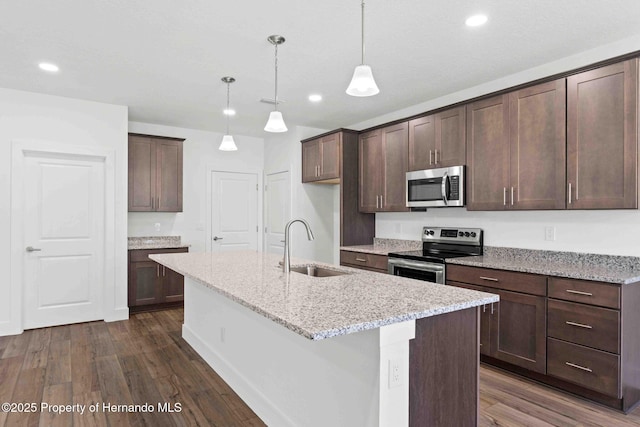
64,223
234,211
278,210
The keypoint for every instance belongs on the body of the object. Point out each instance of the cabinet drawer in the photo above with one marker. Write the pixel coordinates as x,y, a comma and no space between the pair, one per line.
500,279
359,259
584,324
593,369
138,255
596,293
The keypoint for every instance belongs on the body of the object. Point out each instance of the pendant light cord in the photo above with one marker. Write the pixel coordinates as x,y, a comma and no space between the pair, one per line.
276,94
362,26
228,111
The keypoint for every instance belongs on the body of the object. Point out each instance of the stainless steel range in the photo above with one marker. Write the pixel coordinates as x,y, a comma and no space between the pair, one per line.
438,244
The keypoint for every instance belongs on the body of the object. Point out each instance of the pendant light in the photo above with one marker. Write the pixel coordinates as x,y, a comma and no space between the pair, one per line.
276,123
362,82
228,144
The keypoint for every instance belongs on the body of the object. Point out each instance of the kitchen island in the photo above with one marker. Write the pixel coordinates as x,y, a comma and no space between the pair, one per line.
357,349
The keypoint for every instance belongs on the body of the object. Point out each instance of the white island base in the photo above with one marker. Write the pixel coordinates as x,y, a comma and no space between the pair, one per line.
359,379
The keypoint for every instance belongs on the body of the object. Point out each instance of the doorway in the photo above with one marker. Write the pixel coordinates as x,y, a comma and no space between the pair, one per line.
277,210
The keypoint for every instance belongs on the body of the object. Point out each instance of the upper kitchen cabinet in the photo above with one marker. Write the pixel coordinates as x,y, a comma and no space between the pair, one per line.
383,165
332,158
602,138
155,174
321,159
516,149
438,140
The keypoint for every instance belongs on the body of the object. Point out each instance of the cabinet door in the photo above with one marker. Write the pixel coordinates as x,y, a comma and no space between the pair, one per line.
169,176
602,137
142,174
395,141
538,146
486,316
422,143
144,283
518,330
488,154
173,285
310,161
450,138
330,156
370,165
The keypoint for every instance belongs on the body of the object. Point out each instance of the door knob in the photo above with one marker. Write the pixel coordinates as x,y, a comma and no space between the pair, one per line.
32,249
216,238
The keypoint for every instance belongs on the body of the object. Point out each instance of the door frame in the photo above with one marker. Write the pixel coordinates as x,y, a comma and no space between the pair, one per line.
20,148
265,207
209,170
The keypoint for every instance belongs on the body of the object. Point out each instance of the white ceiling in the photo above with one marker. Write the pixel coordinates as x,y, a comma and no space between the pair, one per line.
164,58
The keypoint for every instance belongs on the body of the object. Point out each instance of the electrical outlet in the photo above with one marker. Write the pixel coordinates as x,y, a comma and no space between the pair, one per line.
157,226
550,233
395,379
223,334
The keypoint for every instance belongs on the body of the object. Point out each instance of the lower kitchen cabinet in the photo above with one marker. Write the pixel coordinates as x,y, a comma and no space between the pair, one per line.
581,336
365,261
152,285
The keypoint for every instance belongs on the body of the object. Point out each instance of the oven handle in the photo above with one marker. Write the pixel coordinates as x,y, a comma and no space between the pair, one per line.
445,177
435,268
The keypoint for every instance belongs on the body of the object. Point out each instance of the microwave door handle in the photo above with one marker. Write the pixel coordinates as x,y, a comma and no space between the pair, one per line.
445,178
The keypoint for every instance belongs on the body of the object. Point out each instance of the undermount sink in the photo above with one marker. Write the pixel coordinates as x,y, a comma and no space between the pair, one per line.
315,271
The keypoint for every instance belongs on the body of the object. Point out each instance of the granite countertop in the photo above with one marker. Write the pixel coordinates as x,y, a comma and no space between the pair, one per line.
155,242
319,308
602,268
384,246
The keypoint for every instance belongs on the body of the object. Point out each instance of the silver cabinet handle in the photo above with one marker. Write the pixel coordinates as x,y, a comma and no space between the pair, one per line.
504,196
430,157
32,249
361,260
573,365
580,325
381,201
511,196
586,294
569,193
489,278
436,156
491,308
216,238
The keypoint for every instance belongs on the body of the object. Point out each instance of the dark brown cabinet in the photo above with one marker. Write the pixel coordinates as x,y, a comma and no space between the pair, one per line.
438,140
514,329
364,261
321,158
516,149
155,174
602,137
383,164
152,284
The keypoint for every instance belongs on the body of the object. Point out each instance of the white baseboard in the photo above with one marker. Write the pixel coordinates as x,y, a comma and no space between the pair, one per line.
117,315
8,328
256,400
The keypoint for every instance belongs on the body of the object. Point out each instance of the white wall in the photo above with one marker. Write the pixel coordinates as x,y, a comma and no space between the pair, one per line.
200,154
313,202
31,116
609,232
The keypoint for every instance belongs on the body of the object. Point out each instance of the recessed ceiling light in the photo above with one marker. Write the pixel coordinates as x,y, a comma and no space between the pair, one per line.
476,20
47,66
315,98
229,112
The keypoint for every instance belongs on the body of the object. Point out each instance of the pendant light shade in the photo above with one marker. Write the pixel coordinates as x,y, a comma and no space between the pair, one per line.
228,144
276,122
362,82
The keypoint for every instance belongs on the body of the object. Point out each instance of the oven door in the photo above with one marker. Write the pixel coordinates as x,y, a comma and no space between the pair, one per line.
426,271
436,187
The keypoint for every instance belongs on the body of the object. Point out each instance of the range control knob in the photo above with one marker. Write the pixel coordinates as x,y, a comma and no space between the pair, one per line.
473,234
460,233
431,232
466,234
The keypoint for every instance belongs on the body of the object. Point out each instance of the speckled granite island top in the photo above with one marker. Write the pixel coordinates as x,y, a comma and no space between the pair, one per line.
602,268
319,308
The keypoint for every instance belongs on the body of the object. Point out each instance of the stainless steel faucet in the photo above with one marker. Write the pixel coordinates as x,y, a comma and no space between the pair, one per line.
286,262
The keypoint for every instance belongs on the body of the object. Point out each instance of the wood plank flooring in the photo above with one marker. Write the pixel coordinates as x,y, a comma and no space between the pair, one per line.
144,360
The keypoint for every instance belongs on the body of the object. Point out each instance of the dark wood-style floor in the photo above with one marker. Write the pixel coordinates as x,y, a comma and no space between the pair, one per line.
144,360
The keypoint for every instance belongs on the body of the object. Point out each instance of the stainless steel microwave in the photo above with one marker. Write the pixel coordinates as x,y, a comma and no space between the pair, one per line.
431,188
